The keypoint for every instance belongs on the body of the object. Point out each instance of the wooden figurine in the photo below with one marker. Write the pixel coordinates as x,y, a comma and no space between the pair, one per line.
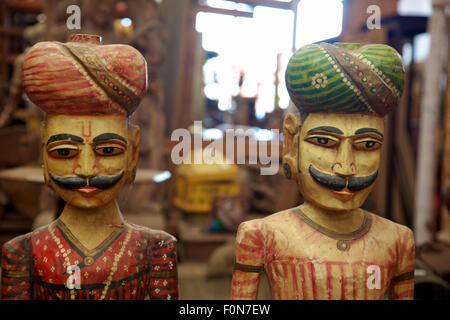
90,151
329,248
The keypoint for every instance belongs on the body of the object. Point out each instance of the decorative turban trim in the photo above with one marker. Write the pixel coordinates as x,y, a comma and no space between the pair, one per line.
84,77
345,78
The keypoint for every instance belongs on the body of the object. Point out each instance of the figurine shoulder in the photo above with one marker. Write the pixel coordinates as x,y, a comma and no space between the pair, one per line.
285,216
260,226
251,226
18,246
398,231
23,243
156,238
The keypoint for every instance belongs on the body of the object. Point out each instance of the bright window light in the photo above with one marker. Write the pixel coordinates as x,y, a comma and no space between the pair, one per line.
126,22
318,20
212,134
163,176
415,7
249,47
263,134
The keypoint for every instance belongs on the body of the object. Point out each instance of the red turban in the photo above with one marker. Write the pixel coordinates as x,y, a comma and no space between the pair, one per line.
84,77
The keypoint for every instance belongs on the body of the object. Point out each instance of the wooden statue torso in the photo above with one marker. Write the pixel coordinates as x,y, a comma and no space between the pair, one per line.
302,262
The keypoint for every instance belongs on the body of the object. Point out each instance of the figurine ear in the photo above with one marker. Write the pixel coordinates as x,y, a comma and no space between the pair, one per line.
291,130
134,138
44,158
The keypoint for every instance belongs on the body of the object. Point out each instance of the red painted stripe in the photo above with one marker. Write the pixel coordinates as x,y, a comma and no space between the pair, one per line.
365,284
302,275
355,277
246,282
329,280
48,65
40,53
66,83
43,76
285,280
403,295
63,89
343,283
28,73
248,248
252,238
313,280
295,280
253,256
242,295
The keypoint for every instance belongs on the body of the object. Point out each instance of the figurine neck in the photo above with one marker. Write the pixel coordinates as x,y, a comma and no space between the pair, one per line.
339,221
92,226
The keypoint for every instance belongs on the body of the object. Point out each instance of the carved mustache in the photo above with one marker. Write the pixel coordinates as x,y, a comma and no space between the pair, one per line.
75,182
337,183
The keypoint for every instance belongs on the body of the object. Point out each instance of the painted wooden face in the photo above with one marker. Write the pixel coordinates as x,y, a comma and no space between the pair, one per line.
339,158
87,159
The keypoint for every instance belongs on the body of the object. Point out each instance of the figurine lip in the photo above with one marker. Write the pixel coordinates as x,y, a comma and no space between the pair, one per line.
345,193
87,190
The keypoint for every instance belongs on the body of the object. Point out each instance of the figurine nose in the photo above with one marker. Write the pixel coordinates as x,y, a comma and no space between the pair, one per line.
87,166
344,164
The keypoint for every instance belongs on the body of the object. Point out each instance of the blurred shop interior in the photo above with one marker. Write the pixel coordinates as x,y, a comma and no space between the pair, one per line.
223,62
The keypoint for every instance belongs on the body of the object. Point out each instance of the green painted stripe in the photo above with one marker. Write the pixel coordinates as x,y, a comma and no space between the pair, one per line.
318,95
306,82
380,58
311,65
348,97
339,89
304,55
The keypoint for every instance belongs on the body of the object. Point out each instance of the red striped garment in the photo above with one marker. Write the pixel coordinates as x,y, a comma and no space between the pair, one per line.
304,263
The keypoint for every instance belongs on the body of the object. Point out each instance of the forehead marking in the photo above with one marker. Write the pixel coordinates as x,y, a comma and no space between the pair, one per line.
83,134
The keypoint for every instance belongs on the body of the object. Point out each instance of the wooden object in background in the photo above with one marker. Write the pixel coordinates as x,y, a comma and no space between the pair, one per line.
444,233
431,106
11,42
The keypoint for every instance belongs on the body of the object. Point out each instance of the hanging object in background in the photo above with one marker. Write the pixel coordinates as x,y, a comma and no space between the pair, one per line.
90,150
329,248
228,213
197,185
123,26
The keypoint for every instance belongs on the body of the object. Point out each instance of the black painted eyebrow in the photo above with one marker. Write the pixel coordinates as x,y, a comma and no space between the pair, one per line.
327,129
64,136
369,130
108,136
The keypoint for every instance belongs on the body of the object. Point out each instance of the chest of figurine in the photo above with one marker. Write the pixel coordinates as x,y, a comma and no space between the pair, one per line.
318,269
63,262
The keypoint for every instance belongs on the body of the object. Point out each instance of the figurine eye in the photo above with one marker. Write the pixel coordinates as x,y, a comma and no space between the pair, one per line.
109,150
367,145
323,141
63,151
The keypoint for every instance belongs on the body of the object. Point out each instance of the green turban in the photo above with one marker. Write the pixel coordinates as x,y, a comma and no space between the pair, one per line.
345,78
